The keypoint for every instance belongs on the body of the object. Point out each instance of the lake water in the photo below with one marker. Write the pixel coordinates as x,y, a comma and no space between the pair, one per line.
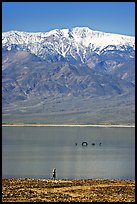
33,152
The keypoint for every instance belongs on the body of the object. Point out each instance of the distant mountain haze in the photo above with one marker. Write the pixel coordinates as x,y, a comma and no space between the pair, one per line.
68,76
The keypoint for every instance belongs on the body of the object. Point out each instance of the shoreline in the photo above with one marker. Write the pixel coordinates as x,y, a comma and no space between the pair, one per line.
86,190
66,125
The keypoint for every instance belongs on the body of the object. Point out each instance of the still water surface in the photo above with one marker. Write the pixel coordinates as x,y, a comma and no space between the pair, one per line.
34,151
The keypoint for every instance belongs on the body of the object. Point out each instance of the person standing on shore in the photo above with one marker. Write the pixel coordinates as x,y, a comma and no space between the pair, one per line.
54,174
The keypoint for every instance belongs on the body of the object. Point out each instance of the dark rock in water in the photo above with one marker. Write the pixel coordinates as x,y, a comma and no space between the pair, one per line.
84,143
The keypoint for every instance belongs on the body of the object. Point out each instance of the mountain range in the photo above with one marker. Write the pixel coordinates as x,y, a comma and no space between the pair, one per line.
73,75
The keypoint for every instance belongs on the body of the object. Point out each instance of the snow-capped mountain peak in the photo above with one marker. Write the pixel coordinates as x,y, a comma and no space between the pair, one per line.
65,42
81,71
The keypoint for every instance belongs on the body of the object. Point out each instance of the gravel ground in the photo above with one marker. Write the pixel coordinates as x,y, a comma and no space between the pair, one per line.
42,190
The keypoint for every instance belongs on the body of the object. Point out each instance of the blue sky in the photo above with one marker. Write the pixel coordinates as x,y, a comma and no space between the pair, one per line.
113,17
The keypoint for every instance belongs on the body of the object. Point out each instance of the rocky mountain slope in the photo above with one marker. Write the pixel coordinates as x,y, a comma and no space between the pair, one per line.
72,75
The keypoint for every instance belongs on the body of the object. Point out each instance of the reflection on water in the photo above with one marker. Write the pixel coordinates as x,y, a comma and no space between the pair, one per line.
34,151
